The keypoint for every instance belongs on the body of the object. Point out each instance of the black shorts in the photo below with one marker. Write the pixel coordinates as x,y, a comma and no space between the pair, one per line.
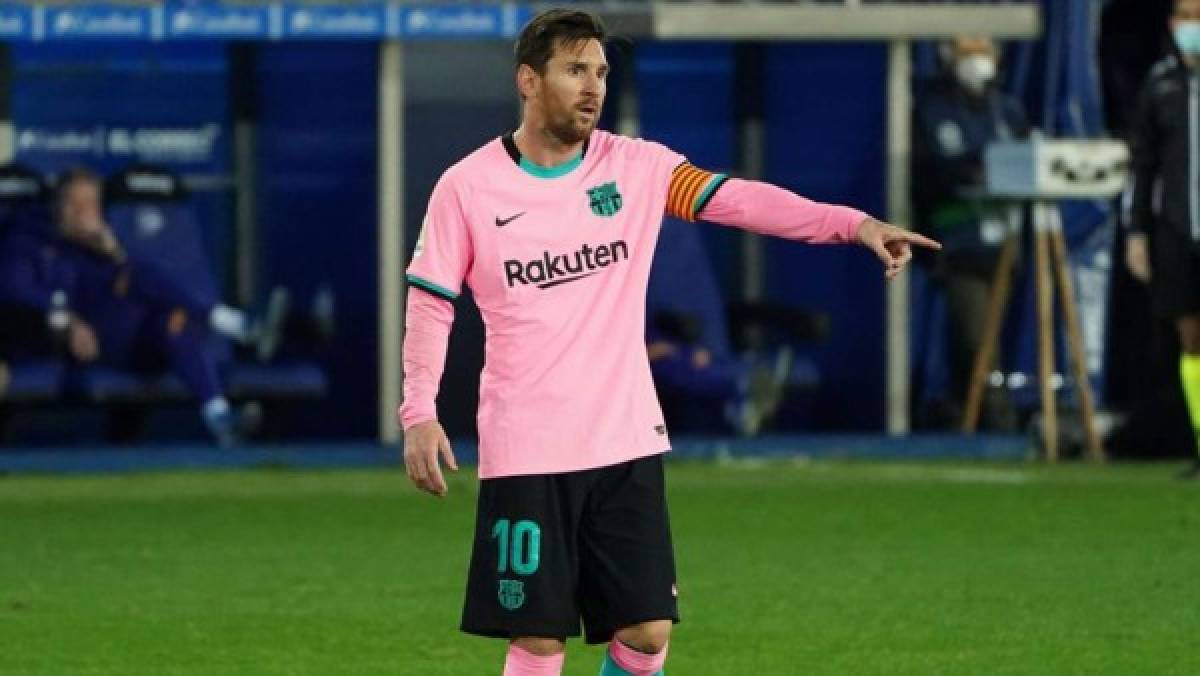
1175,268
552,548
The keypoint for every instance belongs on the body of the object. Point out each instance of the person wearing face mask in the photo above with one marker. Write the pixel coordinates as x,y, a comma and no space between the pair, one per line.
1163,245
956,115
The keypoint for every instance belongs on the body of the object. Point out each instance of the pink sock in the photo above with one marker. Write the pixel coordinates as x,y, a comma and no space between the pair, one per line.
636,663
519,662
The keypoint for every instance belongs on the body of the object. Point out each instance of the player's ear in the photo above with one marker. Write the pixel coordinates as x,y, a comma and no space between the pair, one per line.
527,79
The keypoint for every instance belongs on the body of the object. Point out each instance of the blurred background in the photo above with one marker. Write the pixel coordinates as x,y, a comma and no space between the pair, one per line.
265,166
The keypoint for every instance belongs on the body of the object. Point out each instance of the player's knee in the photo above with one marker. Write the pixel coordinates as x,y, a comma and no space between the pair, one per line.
542,647
647,637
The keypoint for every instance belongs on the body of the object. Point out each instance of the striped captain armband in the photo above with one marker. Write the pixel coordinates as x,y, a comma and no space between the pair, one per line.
690,190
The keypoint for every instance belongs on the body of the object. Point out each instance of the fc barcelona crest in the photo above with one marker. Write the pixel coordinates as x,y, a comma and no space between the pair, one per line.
604,199
511,594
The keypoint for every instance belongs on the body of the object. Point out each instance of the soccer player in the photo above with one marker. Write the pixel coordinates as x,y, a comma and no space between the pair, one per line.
553,228
1165,209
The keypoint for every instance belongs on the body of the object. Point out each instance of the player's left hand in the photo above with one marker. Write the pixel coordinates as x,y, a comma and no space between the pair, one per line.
893,245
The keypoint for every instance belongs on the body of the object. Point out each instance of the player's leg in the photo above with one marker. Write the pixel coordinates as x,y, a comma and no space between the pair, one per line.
1175,291
522,577
534,656
1189,372
161,292
638,650
190,358
627,568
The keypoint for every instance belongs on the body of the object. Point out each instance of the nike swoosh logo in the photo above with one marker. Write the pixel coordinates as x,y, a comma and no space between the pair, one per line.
501,222
547,285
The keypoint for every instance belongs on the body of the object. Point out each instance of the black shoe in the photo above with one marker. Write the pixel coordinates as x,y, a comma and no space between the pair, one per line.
1192,472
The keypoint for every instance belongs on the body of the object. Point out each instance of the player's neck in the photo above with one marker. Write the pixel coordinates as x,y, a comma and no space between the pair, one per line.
542,148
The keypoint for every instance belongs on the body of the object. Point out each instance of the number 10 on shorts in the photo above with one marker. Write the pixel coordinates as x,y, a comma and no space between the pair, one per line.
520,546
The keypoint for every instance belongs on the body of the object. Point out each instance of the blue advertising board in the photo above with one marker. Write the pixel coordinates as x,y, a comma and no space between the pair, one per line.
441,22
353,22
97,22
16,22
215,21
183,20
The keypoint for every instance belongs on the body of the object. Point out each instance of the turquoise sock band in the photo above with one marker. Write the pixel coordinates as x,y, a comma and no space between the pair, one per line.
610,668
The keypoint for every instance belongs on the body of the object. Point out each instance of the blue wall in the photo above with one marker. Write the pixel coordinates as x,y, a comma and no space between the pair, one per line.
317,209
826,147
825,125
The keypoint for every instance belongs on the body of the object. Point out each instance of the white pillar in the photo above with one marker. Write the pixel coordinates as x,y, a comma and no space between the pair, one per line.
391,236
899,114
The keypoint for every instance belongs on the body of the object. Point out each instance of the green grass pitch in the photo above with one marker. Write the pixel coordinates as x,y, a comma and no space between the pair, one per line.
784,568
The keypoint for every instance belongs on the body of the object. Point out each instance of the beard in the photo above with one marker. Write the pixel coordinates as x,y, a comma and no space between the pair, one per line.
568,129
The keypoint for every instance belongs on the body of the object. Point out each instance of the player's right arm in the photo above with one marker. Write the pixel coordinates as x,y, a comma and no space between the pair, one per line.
440,262
1145,148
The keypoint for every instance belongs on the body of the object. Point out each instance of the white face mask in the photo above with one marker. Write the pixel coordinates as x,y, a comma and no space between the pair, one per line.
1187,36
975,72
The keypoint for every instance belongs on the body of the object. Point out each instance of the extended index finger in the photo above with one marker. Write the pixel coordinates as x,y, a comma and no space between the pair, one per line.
920,240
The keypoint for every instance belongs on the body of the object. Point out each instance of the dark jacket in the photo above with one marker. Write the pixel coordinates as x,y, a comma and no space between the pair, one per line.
950,131
1165,140
33,267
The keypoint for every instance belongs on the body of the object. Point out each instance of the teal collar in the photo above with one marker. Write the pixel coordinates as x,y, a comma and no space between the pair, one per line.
550,172
537,170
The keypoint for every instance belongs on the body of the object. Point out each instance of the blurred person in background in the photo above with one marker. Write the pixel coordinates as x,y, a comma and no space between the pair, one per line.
125,313
748,392
1163,247
956,115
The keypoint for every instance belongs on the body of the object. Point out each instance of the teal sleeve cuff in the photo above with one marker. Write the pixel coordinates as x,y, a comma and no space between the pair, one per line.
704,197
429,286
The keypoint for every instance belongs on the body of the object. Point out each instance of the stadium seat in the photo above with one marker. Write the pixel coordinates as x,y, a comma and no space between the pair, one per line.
104,384
683,290
27,381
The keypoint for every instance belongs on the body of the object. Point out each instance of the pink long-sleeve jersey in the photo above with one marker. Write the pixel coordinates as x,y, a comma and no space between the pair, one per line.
558,262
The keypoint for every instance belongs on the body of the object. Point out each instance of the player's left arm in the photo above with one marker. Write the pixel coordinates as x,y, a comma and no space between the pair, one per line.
770,210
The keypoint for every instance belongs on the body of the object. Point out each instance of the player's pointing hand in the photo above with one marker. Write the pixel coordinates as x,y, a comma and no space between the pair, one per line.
893,245
423,443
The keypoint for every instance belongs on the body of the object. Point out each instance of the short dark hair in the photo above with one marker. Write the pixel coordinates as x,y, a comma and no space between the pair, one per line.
553,27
